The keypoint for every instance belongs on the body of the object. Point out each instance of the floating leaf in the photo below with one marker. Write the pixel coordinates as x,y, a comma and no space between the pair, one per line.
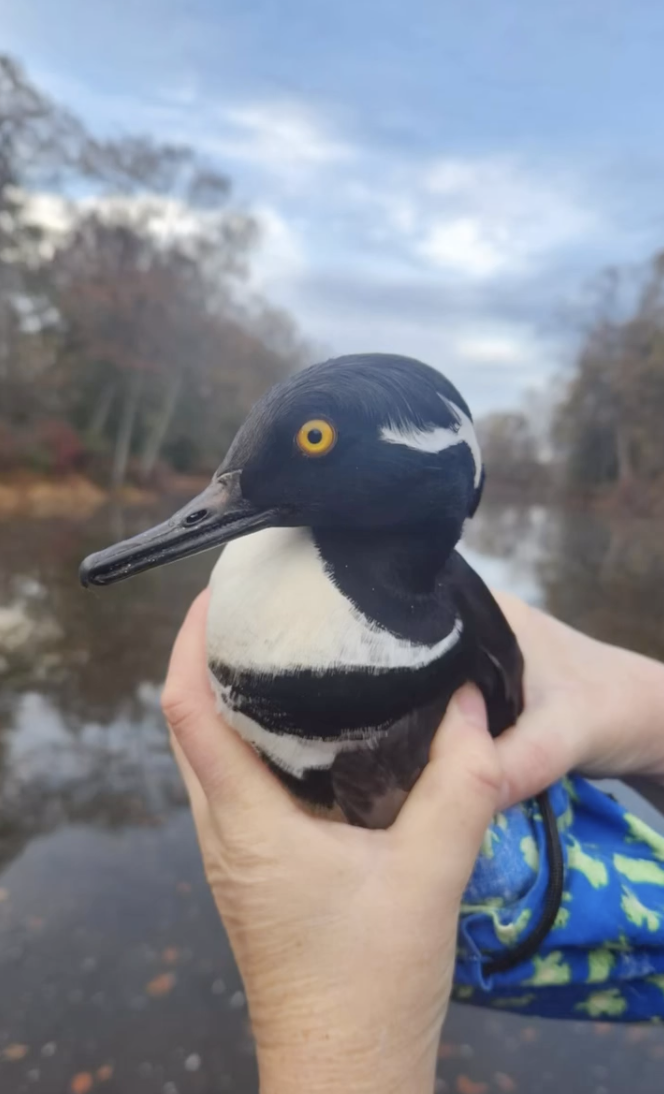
81,1083
465,1085
504,1082
4,895
529,1034
161,985
15,1052
104,1073
602,1028
636,1034
447,1050
171,955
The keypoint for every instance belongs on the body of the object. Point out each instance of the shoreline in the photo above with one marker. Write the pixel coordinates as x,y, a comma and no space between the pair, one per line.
28,494
76,496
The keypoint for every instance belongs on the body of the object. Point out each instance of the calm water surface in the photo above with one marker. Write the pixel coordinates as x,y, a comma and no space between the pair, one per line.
115,974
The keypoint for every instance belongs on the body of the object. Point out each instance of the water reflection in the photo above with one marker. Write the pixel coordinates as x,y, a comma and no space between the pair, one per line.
607,578
81,734
89,652
505,544
603,575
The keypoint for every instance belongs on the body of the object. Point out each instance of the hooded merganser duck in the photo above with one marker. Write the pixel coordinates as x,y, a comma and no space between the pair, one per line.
342,619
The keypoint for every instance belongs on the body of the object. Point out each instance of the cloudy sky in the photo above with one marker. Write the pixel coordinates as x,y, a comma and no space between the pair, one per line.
438,178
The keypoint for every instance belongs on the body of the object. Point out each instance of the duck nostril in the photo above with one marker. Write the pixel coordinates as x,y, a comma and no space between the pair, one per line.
195,518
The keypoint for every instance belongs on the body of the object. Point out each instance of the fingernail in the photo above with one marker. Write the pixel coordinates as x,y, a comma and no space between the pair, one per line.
471,704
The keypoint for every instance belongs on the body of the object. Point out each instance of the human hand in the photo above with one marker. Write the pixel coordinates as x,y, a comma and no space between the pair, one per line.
345,938
589,707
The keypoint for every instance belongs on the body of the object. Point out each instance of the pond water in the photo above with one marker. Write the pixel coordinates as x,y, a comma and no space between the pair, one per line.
114,970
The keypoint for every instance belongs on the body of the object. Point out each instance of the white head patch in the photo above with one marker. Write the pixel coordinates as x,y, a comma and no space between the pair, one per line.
439,437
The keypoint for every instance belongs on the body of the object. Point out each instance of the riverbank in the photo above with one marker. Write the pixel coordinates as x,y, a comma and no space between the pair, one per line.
634,499
26,493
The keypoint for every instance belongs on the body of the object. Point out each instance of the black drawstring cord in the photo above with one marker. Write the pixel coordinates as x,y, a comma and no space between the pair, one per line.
553,896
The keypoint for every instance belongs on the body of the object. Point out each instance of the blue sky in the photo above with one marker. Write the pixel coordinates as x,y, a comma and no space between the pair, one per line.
435,178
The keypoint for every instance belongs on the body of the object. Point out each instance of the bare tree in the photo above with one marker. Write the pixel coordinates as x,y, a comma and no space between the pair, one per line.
510,451
128,327
608,426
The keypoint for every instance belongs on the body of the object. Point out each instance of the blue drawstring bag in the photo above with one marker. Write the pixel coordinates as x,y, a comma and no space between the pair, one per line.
603,958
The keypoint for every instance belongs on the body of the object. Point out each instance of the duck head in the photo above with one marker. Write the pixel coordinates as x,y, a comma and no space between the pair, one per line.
361,442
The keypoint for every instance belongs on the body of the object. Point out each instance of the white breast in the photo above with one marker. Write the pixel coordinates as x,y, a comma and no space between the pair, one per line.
275,609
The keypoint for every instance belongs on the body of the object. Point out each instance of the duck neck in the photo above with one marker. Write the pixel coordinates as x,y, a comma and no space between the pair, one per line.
395,576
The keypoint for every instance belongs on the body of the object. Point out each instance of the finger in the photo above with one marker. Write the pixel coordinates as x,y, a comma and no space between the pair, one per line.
543,746
195,792
200,807
228,770
187,677
450,807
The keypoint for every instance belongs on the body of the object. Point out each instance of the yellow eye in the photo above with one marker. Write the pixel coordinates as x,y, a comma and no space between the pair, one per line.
316,437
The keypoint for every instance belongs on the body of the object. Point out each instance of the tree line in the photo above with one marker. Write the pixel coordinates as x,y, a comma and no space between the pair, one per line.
128,338
605,431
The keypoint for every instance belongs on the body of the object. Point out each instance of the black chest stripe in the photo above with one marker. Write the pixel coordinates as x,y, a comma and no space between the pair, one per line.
330,704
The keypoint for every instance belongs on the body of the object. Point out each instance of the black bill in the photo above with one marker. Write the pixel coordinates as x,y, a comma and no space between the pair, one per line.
216,516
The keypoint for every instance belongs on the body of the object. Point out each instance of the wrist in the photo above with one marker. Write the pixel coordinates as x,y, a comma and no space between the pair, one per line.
325,1063
316,1047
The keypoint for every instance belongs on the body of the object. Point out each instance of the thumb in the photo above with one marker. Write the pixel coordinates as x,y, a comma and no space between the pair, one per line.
447,813
540,748
229,772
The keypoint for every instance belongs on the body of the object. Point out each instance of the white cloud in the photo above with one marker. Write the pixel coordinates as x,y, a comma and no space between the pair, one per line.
286,139
463,245
498,347
392,205
493,216
50,212
491,363
280,256
453,176
362,261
